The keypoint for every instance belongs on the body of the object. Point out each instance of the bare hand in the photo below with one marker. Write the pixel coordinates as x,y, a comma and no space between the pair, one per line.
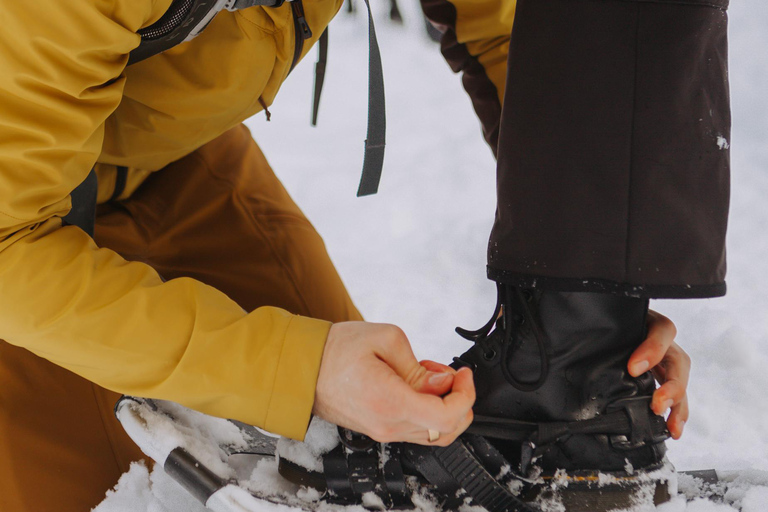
671,366
371,382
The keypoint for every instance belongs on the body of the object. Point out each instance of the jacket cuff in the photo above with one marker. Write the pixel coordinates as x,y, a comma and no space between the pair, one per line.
293,393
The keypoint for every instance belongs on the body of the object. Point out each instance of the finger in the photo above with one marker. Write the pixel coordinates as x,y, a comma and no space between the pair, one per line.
437,381
395,350
661,335
419,435
434,383
659,373
447,413
433,366
677,418
446,439
677,367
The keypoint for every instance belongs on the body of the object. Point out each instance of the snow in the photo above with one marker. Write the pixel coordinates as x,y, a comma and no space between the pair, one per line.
414,255
321,438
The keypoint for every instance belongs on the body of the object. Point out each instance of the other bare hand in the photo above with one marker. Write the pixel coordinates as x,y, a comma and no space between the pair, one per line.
671,366
371,382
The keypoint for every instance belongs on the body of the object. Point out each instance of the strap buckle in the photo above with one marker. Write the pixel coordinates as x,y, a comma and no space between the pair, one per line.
645,426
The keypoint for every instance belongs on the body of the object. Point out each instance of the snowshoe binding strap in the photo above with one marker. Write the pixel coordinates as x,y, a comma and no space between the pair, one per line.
629,421
354,472
455,472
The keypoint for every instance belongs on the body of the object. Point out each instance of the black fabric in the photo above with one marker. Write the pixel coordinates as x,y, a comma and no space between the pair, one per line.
377,119
120,180
320,65
613,160
83,212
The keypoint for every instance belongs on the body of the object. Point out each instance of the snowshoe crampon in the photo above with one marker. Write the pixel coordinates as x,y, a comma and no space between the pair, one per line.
229,466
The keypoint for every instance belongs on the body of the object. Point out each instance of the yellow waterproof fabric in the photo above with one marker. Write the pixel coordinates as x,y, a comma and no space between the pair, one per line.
67,101
484,26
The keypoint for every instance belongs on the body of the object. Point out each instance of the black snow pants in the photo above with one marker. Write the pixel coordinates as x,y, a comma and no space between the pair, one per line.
613,147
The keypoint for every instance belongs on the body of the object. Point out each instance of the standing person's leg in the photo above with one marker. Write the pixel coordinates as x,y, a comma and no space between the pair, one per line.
613,161
218,215
613,189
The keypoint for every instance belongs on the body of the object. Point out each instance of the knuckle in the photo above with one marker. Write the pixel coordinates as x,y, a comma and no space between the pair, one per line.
395,334
669,324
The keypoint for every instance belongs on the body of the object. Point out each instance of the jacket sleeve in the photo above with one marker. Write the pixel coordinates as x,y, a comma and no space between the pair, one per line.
85,308
475,43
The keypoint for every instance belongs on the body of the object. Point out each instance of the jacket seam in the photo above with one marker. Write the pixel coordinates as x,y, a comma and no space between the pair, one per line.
11,216
277,372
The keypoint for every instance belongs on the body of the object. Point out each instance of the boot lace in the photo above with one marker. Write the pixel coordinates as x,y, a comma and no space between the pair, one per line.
505,320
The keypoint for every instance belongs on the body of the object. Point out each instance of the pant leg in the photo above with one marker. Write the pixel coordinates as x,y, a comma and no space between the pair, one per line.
613,161
61,447
219,215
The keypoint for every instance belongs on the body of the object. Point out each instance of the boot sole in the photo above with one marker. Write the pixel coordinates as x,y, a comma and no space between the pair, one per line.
592,491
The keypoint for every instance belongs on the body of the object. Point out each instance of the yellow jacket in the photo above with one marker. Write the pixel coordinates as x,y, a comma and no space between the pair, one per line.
67,101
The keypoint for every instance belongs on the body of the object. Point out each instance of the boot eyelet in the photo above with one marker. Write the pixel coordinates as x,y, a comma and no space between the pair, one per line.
527,295
490,355
521,321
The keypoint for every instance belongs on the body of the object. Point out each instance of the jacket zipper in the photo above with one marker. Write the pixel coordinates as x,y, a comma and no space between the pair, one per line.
301,29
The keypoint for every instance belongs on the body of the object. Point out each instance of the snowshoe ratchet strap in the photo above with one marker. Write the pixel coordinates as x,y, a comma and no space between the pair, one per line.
359,466
630,423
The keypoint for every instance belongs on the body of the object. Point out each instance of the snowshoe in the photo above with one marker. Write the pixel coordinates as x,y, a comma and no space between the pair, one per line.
231,467
559,423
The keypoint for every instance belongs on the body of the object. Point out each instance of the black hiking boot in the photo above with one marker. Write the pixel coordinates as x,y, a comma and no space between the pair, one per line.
554,397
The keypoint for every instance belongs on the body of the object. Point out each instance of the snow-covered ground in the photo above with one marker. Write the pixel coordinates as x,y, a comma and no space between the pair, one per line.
414,255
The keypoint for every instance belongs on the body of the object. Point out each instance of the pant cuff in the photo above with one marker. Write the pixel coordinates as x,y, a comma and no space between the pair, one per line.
567,284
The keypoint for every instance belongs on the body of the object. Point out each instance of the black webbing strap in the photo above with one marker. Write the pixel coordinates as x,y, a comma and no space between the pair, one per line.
454,467
629,417
350,474
322,60
83,212
377,117
120,181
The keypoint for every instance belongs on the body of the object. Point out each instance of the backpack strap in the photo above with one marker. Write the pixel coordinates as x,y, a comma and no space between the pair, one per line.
183,21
